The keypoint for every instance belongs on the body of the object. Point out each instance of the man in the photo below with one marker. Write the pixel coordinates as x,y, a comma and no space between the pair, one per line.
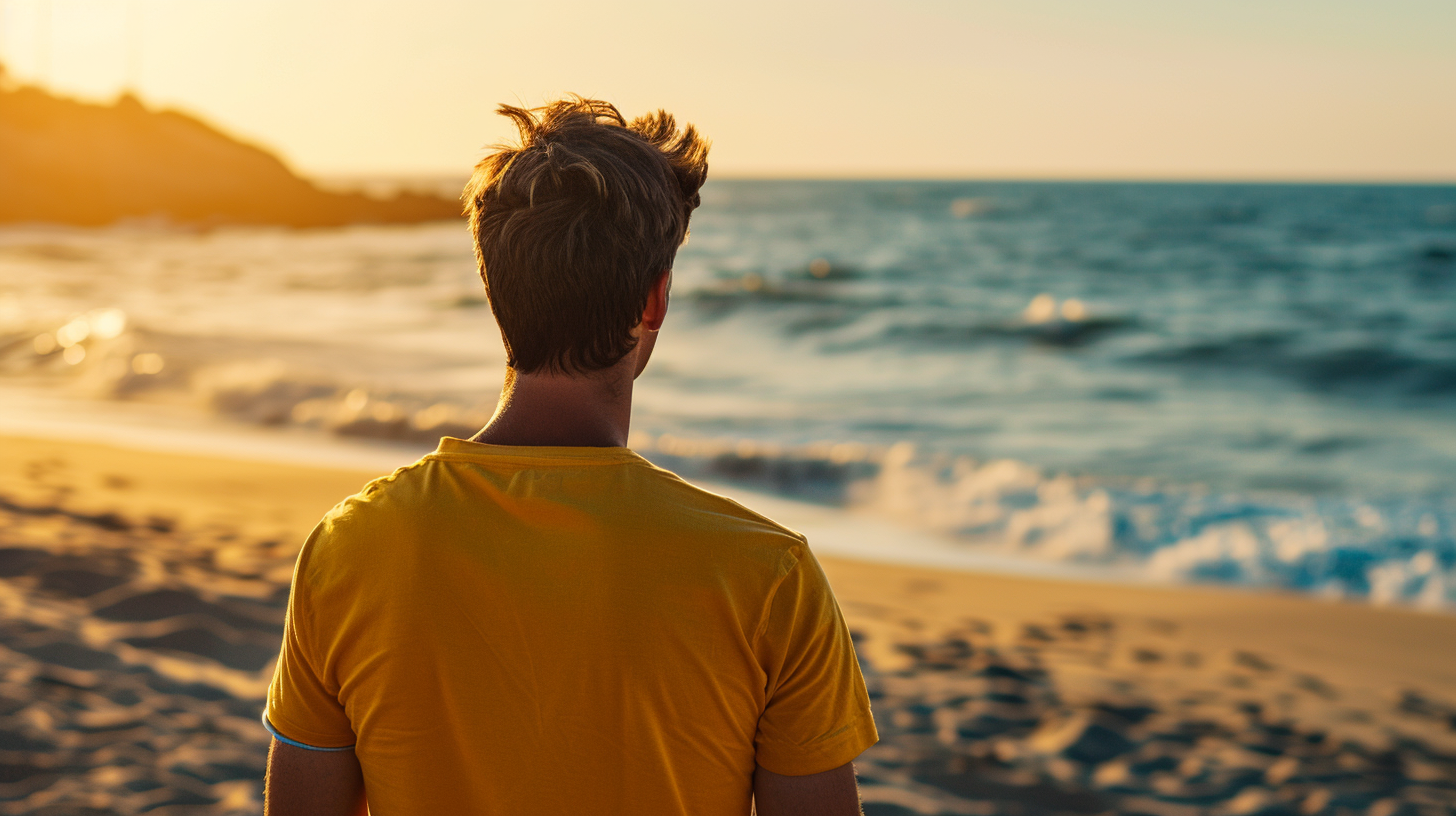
539,621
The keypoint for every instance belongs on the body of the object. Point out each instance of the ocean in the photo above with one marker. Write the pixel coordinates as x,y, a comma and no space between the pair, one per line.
1251,385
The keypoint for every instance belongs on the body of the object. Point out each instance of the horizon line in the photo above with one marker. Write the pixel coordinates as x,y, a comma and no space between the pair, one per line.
1027,178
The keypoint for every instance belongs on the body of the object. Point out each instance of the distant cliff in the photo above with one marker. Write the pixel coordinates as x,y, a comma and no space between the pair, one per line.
76,163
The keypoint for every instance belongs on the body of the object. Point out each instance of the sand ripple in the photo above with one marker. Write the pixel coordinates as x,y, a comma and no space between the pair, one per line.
134,662
1063,718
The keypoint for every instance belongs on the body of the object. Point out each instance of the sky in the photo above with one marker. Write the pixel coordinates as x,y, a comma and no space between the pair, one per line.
1133,89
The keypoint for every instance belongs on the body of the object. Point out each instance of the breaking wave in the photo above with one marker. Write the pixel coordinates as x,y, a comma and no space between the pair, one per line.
1391,552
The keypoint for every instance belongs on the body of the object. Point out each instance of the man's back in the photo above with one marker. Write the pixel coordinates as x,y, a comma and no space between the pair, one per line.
523,630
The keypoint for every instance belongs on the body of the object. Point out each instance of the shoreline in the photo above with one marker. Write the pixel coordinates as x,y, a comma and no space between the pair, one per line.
839,532
281,500
169,430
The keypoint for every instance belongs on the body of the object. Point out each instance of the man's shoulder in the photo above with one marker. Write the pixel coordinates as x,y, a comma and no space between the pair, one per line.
709,508
649,499
732,532
378,500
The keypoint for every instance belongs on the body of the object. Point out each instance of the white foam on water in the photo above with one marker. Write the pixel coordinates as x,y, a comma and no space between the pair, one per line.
864,537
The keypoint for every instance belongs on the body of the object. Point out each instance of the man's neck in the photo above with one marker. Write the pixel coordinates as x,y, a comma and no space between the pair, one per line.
539,409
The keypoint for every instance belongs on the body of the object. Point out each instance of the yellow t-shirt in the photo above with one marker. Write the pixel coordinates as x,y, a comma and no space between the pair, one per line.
539,630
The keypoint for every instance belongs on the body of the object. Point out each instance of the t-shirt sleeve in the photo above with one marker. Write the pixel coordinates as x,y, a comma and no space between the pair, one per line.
817,716
303,703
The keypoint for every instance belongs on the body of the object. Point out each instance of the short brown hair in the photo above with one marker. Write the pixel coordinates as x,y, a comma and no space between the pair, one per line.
573,226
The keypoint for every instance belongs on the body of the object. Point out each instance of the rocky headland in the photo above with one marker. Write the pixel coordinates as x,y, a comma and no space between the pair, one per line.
72,162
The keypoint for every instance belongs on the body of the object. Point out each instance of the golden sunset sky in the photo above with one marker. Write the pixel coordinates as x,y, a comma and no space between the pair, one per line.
1175,89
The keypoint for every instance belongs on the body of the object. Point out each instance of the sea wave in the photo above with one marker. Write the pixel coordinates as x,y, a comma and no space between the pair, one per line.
1355,366
1373,354
1391,552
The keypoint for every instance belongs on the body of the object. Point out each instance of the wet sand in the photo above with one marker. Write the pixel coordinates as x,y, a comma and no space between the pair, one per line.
143,597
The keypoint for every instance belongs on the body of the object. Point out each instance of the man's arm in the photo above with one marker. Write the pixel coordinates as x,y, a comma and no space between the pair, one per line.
313,783
831,793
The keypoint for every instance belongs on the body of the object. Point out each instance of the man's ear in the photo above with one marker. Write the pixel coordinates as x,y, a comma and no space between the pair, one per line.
656,310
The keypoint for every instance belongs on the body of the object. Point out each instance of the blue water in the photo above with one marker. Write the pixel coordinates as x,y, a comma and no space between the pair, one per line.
1250,384
1243,337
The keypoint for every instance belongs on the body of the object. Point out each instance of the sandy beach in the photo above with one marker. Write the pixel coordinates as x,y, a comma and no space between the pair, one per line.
143,598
